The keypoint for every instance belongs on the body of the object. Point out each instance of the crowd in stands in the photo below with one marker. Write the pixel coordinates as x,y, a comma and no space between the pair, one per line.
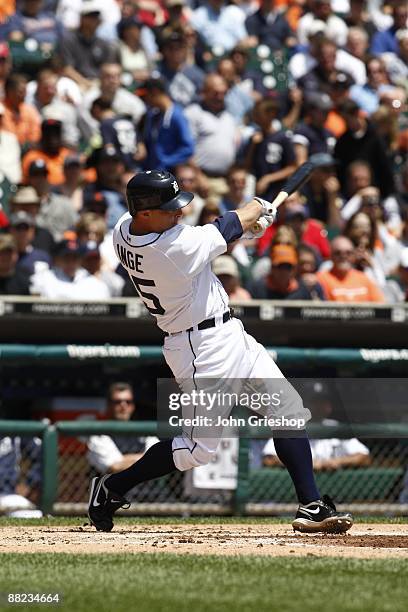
231,98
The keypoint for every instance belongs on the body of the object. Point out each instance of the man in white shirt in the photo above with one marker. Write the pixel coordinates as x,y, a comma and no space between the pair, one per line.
113,454
10,154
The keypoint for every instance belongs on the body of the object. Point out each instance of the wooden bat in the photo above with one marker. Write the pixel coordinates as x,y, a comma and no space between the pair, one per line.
294,182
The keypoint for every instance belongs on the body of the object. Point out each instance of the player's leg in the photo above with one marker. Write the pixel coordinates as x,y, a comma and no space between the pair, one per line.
315,513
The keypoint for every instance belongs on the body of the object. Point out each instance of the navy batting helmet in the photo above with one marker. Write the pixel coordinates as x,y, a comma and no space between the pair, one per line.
155,189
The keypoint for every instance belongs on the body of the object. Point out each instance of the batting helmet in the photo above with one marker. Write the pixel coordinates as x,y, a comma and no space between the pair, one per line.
155,189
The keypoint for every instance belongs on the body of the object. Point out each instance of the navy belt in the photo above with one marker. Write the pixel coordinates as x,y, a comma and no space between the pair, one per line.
206,324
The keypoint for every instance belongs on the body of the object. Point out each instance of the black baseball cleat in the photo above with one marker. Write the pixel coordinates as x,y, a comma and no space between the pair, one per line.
321,516
103,504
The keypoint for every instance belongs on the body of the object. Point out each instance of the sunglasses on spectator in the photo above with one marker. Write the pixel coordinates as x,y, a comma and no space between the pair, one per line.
22,227
339,252
122,401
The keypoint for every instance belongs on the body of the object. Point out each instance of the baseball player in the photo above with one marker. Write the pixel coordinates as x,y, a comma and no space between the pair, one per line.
170,266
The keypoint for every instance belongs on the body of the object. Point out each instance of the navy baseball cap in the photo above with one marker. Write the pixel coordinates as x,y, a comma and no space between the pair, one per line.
38,166
69,247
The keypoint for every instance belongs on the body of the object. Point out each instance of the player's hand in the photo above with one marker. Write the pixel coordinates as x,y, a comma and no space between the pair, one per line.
268,209
259,228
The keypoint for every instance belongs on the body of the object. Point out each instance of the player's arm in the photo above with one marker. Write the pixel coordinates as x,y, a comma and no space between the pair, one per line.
235,223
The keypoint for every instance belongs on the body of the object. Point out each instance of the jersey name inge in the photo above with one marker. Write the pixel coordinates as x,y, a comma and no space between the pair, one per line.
130,259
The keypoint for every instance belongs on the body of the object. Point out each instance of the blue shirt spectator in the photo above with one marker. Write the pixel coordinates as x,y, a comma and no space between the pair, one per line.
386,41
167,134
268,26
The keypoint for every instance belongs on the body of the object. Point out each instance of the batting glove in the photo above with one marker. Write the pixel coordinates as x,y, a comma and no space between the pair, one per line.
268,208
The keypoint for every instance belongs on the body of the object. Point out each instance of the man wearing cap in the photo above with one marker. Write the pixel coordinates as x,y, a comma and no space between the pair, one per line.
166,134
361,141
50,151
10,164
110,173
281,282
83,52
56,213
310,136
226,270
22,228
20,118
183,81
34,23
25,199
13,280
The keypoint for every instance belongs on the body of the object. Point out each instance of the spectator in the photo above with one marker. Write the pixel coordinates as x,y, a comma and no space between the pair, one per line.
56,211
323,51
116,453
237,101
226,269
109,182
67,280
215,132
357,44
219,25
26,200
397,64
167,134
281,282
18,491
368,96
32,22
270,155
209,212
329,454
13,280
321,10
307,270
50,151
281,234
183,80
5,66
362,142
122,101
386,41
309,231
358,16
236,195
342,283
10,164
92,262
119,132
323,75
187,178
311,136
20,118
91,227
133,57
22,228
83,52
268,26
44,96
71,188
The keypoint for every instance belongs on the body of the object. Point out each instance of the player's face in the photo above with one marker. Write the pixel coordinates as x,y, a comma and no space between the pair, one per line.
162,220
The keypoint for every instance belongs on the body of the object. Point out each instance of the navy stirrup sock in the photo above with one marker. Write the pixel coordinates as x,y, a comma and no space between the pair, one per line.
157,461
296,456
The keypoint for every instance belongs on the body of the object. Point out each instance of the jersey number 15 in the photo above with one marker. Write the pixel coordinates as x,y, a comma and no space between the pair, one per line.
157,308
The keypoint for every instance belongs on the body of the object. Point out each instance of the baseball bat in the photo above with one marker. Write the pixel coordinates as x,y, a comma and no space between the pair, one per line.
294,182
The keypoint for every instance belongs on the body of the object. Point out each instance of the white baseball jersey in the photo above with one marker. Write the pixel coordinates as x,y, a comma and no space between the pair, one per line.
172,273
